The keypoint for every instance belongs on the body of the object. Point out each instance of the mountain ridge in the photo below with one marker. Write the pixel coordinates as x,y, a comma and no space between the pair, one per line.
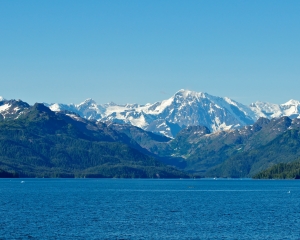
185,108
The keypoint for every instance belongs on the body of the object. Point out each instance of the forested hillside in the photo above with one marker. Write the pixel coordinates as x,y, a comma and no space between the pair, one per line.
289,170
41,143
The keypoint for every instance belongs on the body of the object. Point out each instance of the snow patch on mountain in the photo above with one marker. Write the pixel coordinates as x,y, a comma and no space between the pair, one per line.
55,107
4,107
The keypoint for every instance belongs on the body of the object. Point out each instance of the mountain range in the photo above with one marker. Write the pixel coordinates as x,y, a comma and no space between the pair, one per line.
185,108
190,133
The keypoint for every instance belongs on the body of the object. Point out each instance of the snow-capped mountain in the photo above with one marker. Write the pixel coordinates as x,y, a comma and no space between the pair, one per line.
184,108
270,110
168,117
12,109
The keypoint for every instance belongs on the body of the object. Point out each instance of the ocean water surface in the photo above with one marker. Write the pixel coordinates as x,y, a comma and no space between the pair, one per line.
149,209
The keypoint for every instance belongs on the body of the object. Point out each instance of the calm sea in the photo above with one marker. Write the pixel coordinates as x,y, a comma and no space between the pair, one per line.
149,209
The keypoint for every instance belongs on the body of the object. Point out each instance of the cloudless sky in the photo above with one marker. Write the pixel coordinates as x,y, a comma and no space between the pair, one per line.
133,51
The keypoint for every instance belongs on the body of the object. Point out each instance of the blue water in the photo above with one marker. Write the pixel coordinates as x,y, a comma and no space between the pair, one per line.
149,209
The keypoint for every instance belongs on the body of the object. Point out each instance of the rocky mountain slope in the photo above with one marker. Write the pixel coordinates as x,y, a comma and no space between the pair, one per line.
12,109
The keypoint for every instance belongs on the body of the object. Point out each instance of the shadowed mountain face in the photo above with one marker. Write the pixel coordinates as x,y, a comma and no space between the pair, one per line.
217,154
283,149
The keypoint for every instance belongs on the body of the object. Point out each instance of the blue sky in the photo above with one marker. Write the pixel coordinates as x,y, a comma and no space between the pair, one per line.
144,51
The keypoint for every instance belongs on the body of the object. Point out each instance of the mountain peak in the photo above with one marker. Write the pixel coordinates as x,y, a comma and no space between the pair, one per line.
88,101
2,99
41,107
291,102
187,93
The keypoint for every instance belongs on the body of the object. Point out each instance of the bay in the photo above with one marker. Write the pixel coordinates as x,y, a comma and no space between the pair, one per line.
149,209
